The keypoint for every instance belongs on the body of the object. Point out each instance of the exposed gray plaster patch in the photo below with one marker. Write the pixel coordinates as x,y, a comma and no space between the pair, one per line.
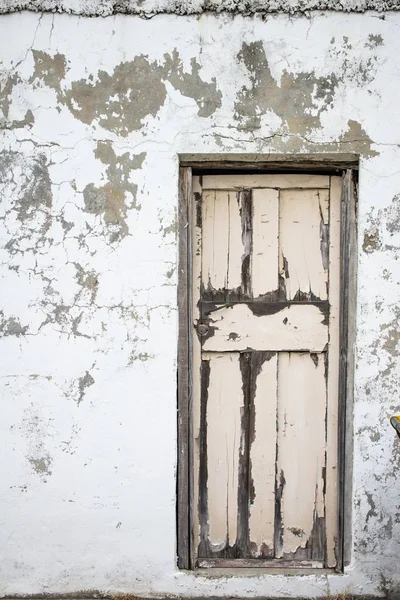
206,95
88,280
83,383
139,356
36,189
393,216
375,40
6,88
42,465
371,241
11,326
388,340
113,200
381,223
372,510
299,99
374,433
25,188
135,90
7,84
354,138
170,229
49,70
36,428
361,71
148,8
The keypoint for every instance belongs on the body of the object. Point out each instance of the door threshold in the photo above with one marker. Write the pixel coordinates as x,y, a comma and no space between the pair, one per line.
257,563
220,572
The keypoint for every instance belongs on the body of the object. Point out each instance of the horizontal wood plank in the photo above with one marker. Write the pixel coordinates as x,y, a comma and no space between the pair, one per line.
283,181
229,563
295,327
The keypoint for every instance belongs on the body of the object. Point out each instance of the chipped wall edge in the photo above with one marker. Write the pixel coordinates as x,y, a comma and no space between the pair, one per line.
150,8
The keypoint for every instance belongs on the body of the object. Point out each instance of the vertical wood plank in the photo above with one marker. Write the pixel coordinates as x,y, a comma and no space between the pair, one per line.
246,213
184,391
301,456
262,461
215,255
348,295
265,241
224,408
195,364
333,375
303,243
235,246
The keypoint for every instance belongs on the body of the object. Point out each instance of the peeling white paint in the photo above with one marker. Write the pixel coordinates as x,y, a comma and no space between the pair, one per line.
89,321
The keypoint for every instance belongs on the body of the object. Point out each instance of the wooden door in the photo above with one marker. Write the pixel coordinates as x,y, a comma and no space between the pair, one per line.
266,253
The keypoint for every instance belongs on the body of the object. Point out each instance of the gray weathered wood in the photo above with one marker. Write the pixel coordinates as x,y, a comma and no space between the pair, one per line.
326,163
348,244
226,563
184,379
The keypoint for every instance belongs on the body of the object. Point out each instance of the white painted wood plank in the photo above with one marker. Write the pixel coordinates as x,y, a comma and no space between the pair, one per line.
265,241
262,460
301,446
303,264
295,327
333,373
281,181
235,245
225,402
215,239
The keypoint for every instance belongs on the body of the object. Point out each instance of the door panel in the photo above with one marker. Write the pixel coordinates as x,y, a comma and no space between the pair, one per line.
303,235
300,518
222,402
262,460
265,364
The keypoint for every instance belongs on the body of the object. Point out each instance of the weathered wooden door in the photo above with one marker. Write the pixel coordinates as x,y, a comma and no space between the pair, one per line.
265,369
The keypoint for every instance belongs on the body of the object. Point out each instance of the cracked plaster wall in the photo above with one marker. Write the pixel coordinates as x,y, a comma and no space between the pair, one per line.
94,114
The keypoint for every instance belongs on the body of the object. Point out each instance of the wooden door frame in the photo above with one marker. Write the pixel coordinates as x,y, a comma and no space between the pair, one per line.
345,165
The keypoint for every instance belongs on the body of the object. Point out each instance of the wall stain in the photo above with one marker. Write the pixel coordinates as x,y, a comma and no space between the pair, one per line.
113,199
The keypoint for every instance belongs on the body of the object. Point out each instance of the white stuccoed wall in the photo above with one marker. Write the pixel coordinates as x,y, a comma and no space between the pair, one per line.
88,289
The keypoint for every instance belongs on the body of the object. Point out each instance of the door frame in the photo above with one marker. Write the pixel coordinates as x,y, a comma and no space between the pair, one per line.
347,166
